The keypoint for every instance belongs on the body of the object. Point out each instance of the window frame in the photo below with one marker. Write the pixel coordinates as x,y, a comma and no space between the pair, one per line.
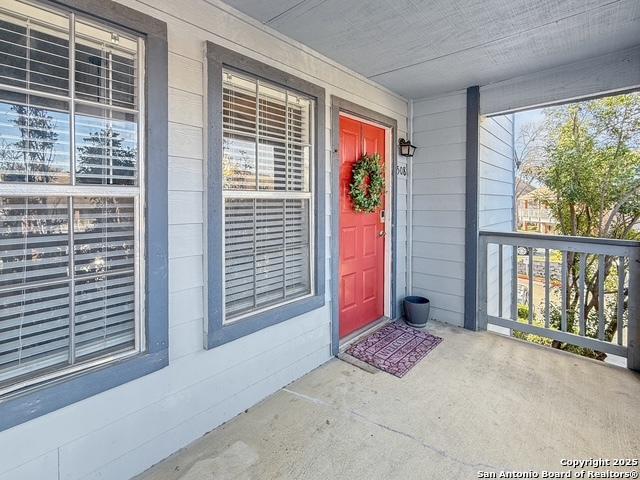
219,332
49,395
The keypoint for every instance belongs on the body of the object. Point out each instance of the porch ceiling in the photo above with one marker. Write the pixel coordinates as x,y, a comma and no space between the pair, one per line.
422,48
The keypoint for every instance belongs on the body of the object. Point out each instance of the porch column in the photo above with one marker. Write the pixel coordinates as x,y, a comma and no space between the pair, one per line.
471,210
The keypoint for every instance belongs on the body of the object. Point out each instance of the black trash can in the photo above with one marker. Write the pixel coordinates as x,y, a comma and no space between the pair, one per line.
416,311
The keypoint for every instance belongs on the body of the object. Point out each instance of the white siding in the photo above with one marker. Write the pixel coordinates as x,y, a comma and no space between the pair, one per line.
123,431
495,202
438,176
495,170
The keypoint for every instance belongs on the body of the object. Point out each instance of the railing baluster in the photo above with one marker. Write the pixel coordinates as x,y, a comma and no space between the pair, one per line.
483,256
531,285
620,316
601,297
581,284
500,268
547,281
593,253
563,287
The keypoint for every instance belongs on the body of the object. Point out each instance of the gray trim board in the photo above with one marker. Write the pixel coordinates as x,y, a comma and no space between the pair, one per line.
217,333
340,105
22,407
533,237
566,337
471,210
41,399
117,14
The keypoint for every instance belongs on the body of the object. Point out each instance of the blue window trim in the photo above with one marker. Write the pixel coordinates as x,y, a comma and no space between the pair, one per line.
41,399
217,333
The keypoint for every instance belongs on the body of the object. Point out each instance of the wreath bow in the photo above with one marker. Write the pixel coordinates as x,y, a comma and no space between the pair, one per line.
367,198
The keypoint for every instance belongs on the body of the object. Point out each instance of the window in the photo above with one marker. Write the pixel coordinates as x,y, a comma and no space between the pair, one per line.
265,193
71,193
267,144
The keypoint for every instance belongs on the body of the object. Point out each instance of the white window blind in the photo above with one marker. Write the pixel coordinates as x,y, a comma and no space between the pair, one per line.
70,194
267,145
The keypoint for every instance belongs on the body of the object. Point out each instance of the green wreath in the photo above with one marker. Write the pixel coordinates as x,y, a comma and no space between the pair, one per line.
367,198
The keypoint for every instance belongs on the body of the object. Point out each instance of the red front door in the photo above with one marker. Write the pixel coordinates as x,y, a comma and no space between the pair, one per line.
362,235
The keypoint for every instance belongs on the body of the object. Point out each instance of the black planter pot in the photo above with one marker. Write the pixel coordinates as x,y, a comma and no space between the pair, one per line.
416,311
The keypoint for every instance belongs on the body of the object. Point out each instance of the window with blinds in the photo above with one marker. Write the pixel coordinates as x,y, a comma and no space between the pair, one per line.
70,193
268,204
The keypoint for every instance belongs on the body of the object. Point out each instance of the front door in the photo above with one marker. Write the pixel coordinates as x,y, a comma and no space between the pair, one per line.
362,235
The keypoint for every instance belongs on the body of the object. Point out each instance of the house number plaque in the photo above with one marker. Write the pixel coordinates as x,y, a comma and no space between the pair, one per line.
401,170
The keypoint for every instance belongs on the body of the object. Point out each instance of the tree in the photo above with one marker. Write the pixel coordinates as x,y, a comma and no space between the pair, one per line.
11,162
592,171
528,153
527,160
103,158
33,154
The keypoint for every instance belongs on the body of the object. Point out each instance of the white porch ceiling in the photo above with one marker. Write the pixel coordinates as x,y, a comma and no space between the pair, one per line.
419,48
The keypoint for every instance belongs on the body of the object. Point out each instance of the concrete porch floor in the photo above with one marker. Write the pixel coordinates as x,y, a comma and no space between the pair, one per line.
479,401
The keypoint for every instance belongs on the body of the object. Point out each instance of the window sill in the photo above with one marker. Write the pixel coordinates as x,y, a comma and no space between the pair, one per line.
20,407
253,323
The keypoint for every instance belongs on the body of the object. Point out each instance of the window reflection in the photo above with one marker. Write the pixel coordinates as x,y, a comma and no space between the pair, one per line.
106,147
34,139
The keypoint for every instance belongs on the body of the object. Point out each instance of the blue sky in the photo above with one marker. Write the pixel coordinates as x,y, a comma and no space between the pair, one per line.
522,118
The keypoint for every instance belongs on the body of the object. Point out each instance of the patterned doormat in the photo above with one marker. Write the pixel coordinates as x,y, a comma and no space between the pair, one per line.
395,348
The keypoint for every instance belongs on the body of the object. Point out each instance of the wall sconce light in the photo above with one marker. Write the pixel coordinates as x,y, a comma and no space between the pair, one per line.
406,148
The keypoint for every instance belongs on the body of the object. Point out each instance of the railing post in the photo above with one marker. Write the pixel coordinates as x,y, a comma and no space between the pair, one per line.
633,311
627,343
514,285
482,282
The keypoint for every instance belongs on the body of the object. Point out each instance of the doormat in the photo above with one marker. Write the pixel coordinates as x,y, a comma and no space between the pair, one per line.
395,348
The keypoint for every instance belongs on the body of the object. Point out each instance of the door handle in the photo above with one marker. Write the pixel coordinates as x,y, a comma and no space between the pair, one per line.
381,233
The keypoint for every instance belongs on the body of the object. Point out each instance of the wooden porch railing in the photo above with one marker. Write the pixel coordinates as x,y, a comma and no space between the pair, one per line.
599,310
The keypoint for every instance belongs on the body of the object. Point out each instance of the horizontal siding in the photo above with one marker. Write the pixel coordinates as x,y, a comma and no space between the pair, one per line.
438,176
495,185
166,443
100,448
121,432
185,174
438,256
186,305
44,467
496,190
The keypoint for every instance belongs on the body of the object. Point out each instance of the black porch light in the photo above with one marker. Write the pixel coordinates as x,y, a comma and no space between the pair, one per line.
406,148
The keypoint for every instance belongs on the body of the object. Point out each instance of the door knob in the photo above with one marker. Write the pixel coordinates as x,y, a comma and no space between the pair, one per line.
381,233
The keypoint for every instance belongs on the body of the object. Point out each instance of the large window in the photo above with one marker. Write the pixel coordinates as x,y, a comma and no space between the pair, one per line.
265,196
71,193
267,155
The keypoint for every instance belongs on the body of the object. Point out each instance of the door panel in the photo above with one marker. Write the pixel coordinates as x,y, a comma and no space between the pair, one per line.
361,245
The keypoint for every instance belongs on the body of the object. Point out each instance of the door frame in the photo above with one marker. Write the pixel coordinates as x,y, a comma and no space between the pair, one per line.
340,106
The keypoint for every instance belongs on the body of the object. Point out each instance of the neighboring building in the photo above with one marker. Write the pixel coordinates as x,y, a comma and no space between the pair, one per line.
533,214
